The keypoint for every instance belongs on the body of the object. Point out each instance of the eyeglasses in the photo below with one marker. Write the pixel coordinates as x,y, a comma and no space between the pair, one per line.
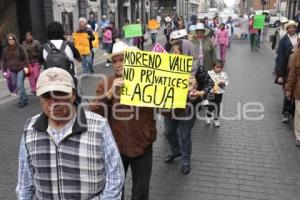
56,95
9,39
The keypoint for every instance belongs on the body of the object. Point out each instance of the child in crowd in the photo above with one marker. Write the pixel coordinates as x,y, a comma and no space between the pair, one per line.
215,96
107,42
222,39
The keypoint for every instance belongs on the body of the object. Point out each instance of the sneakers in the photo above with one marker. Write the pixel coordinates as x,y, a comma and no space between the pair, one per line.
107,65
185,169
216,123
21,105
13,94
208,122
32,93
286,118
297,143
170,158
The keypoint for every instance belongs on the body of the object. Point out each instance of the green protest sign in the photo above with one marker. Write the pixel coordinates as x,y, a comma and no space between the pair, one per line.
259,21
133,30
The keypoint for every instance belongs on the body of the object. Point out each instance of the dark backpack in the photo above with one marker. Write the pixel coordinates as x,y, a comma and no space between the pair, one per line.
57,57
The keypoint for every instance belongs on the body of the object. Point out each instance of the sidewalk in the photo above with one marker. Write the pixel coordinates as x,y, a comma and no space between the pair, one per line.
98,60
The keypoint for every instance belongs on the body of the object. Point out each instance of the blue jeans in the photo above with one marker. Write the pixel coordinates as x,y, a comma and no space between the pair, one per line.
153,37
87,63
253,40
19,78
178,134
128,41
108,47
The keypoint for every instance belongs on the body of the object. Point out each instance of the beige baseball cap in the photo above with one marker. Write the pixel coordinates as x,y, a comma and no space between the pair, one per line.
54,79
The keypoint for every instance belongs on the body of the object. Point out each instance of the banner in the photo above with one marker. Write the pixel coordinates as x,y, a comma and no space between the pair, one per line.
133,30
81,42
259,21
158,48
153,24
155,79
96,41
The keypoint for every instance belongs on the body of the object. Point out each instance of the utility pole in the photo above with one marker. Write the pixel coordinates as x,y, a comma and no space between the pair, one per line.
263,2
244,7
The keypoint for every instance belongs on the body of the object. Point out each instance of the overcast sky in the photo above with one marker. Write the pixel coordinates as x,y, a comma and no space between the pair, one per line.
229,2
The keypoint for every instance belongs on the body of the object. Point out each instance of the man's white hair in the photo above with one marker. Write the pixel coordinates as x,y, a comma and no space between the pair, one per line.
82,19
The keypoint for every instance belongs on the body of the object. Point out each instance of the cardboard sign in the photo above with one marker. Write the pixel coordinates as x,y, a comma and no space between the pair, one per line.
259,21
153,24
155,79
82,43
158,48
96,41
133,30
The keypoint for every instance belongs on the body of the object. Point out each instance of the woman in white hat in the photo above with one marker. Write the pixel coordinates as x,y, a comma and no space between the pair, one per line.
206,48
168,27
279,33
179,122
284,51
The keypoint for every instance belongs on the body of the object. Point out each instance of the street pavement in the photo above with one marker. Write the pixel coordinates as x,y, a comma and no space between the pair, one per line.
243,159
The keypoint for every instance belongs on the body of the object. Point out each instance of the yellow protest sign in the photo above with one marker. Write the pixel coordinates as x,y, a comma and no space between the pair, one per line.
153,24
96,41
155,79
82,43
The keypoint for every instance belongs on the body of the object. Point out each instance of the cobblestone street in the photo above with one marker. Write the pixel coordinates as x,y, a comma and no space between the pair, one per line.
243,159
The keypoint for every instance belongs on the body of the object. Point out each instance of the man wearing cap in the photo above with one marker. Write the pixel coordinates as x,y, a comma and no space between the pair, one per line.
134,128
205,47
168,27
285,49
67,152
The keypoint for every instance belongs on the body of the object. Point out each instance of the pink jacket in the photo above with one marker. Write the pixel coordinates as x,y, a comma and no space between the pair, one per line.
107,36
222,37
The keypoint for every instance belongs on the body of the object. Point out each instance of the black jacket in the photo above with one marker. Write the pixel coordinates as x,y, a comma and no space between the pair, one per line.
283,53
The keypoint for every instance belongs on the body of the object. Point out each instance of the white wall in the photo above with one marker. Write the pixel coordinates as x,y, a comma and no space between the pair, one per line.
60,6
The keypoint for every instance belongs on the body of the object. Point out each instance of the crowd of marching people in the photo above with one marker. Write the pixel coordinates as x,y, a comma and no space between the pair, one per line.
94,163
107,146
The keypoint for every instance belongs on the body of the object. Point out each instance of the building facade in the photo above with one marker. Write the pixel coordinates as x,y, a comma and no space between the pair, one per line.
247,6
292,8
270,5
19,16
289,7
203,5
